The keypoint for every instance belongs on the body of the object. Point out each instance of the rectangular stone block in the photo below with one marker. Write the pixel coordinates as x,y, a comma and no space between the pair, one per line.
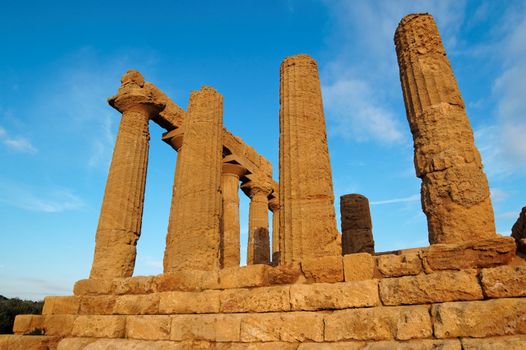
263,299
285,274
148,327
514,342
97,305
479,319
273,345
245,276
504,281
418,344
26,342
468,255
187,280
301,327
359,266
97,326
261,327
323,269
221,328
433,288
92,287
25,324
61,305
391,265
75,343
189,302
379,323
325,296
134,285
59,325
137,304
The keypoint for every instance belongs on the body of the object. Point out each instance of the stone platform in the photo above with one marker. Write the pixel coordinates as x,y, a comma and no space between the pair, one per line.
413,299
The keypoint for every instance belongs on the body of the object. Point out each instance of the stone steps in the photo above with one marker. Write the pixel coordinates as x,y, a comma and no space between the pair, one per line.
28,342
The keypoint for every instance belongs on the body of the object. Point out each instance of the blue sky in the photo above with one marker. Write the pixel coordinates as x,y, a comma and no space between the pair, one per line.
61,60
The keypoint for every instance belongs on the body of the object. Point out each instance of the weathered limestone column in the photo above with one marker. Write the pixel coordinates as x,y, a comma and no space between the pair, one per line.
455,191
196,212
357,226
258,247
306,199
518,231
273,205
120,218
230,245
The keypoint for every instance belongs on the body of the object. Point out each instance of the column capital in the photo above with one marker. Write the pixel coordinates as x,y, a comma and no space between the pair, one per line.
254,187
233,169
174,138
273,204
135,94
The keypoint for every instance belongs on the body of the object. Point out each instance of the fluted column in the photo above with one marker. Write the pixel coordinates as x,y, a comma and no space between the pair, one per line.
120,218
273,205
196,211
455,191
306,199
258,247
230,245
357,226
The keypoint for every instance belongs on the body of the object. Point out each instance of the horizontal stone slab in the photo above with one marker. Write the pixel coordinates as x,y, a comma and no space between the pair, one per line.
97,326
480,319
148,327
58,325
379,323
189,302
467,255
61,305
433,288
514,342
390,265
504,281
263,299
359,266
27,342
323,269
147,304
25,324
419,344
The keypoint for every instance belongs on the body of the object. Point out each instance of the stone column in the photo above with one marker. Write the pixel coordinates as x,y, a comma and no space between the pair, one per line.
273,205
306,199
196,212
258,247
357,227
455,191
230,245
120,217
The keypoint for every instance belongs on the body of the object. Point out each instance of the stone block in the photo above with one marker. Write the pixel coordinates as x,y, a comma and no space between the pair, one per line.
472,254
92,287
25,324
137,304
433,288
97,305
26,342
504,281
359,266
417,344
61,305
261,327
228,328
225,328
273,345
285,274
58,325
325,296
379,323
391,265
246,276
148,327
189,302
263,299
99,326
327,269
301,327
514,342
188,280
75,343
479,319
134,285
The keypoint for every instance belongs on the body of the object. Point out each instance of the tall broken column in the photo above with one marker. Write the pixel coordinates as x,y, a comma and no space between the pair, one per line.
455,191
230,244
120,218
306,199
196,212
273,205
357,226
258,246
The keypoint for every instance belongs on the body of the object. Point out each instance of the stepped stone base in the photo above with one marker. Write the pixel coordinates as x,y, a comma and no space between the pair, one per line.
415,299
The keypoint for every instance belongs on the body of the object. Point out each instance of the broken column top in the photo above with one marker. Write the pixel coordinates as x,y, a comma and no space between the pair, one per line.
300,58
428,40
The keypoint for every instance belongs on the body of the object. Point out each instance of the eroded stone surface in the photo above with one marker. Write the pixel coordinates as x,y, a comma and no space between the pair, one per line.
357,226
455,191
514,342
359,266
504,281
96,326
391,265
323,269
27,323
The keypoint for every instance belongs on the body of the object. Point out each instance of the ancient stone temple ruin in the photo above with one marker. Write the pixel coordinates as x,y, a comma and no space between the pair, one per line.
306,286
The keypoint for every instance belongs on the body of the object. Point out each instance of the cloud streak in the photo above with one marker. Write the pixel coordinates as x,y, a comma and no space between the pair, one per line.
413,198
16,143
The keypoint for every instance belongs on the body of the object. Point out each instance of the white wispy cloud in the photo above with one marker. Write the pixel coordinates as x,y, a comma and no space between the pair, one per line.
413,198
32,198
16,143
360,81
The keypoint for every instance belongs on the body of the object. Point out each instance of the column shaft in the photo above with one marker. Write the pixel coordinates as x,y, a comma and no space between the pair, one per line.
357,226
307,218
231,230
455,191
196,211
258,248
274,207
